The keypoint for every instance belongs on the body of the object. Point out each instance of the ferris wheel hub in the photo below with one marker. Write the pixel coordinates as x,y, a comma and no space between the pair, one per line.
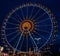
27,25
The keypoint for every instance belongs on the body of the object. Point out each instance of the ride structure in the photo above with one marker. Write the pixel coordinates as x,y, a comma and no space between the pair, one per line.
29,28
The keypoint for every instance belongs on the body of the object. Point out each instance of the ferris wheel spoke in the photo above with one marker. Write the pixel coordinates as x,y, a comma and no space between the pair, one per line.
31,13
45,31
21,43
22,13
11,33
27,42
42,21
37,26
13,38
36,14
12,23
40,16
36,33
40,35
11,28
20,19
27,11
19,40
14,19
32,39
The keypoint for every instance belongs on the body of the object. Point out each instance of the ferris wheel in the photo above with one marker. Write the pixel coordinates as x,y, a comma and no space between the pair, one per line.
28,26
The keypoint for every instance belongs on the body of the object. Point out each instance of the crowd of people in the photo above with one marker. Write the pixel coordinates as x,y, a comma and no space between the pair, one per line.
30,53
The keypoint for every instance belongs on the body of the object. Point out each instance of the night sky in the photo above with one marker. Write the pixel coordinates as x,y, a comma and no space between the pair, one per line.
54,5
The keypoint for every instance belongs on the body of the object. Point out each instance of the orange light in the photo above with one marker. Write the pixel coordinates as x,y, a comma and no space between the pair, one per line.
27,25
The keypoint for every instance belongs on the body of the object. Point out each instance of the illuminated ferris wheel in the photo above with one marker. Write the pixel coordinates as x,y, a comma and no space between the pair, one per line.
28,26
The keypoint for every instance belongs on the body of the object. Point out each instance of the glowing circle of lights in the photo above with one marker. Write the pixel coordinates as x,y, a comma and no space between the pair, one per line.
28,26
